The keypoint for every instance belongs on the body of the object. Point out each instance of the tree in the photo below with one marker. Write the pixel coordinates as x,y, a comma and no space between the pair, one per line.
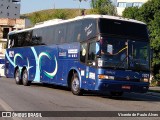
36,18
60,14
149,9
103,7
131,12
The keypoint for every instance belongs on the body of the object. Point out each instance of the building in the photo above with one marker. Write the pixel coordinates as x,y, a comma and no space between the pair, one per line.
122,4
10,20
7,25
9,8
114,2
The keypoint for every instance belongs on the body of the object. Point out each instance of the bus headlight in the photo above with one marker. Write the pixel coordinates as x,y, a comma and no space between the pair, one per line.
106,77
145,80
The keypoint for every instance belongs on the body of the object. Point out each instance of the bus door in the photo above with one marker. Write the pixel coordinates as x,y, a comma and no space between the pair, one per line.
88,56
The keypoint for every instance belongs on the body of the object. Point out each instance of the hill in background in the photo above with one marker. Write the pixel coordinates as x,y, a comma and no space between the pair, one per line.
50,14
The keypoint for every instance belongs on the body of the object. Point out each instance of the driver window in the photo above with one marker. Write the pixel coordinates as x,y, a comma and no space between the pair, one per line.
92,51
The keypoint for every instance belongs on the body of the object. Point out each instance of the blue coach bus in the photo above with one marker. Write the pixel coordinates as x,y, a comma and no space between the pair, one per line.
93,52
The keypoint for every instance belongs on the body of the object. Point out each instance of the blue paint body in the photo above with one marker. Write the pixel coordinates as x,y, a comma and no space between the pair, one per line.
66,61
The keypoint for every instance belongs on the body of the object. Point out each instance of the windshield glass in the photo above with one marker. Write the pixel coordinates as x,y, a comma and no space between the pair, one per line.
139,55
123,28
114,52
124,54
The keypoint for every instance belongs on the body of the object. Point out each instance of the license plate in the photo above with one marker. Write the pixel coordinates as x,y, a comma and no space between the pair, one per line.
126,87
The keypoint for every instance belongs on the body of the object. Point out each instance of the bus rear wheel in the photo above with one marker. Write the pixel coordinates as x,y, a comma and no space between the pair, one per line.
25,78
17,77
75,85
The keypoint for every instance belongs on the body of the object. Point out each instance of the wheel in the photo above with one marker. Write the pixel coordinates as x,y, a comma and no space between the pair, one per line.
17,77
25,78
75,85
116,93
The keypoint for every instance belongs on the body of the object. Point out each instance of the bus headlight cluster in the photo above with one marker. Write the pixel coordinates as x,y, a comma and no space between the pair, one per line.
145,80
106,77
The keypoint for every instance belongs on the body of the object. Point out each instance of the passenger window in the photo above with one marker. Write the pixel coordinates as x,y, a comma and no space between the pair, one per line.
11,41
28,38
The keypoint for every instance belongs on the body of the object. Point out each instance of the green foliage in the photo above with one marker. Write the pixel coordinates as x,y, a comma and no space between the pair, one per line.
153,83
150,14
45,15
131,12
60,14
102,7
35,18
149,9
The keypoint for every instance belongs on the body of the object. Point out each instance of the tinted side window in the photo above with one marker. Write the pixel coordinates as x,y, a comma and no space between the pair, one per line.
37,37
70,32
49,37
10,41
61,33
28,38
77,30
92,51
89,29
21,39
74,31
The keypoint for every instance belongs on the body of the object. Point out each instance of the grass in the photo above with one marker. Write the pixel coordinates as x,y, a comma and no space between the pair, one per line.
44,15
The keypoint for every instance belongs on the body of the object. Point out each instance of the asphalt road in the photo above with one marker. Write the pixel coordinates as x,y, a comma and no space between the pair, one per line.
38,97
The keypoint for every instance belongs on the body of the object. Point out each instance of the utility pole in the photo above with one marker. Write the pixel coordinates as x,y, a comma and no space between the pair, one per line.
54,4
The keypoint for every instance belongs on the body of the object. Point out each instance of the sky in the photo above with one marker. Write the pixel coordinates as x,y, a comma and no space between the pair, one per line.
28,6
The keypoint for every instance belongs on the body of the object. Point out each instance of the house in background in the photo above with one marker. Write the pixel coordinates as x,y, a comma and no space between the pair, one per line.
10,8
9,21
122,4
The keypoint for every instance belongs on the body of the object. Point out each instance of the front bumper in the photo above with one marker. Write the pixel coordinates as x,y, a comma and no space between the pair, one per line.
122,86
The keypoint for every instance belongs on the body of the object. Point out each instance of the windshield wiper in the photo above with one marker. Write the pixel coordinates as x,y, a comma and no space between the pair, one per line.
119,64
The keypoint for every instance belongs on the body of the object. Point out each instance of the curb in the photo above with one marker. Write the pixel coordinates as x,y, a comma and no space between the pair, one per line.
153,94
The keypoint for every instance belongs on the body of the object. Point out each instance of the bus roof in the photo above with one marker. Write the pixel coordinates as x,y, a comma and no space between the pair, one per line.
60,21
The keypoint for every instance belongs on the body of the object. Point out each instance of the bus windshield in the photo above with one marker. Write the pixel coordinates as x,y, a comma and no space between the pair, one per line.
125,54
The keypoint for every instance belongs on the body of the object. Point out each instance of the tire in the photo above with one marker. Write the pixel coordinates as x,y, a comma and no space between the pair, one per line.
25,78
17,77
75,85
116,93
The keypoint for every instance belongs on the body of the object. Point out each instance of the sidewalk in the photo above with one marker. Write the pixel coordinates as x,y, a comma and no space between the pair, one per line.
155,91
